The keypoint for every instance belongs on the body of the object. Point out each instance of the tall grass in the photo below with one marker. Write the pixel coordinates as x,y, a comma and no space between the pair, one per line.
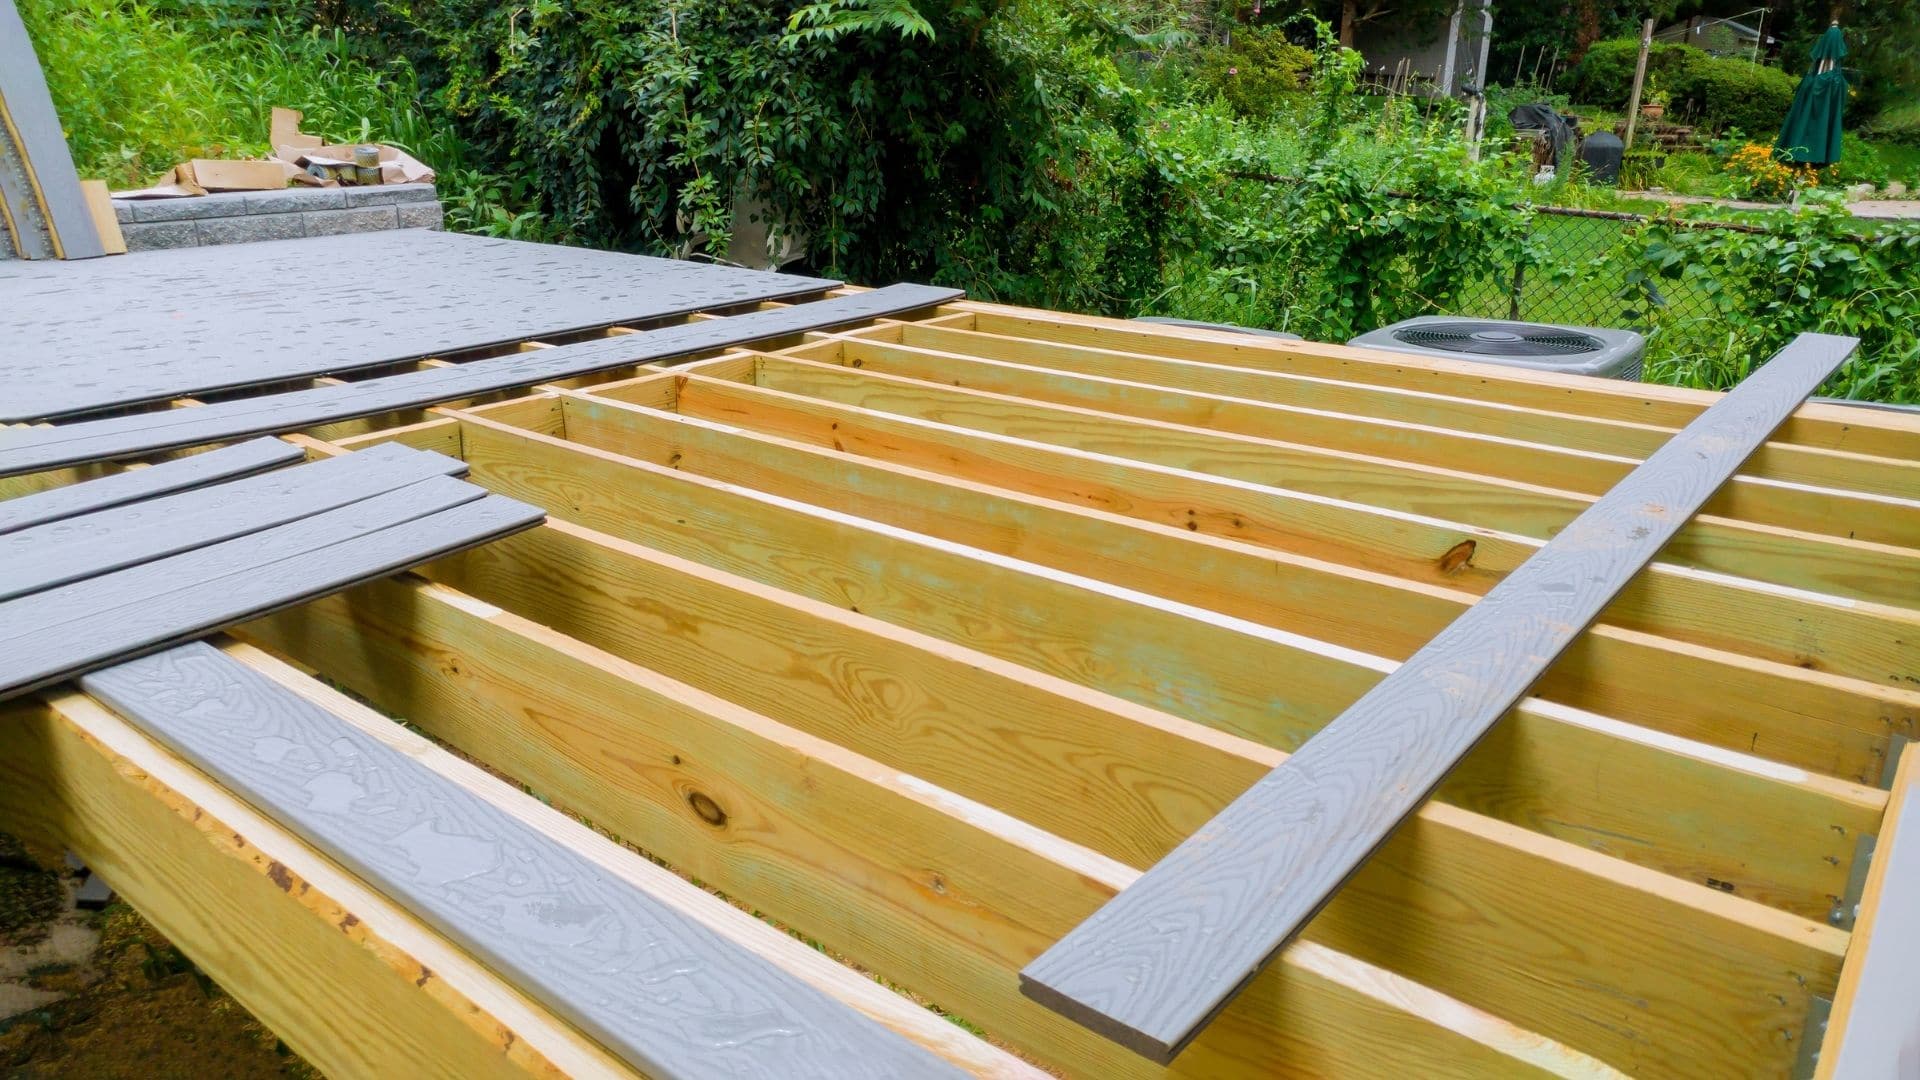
138,90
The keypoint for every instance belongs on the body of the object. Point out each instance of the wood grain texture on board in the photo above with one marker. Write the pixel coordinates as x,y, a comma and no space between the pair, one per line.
34,449
164,324
1154,965
664,991
226,463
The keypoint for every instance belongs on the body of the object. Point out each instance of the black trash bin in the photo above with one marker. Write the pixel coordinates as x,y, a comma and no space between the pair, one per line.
1601,151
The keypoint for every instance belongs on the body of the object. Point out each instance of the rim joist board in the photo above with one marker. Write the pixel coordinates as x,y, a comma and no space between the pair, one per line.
928,671
82,337
32,450
1152,968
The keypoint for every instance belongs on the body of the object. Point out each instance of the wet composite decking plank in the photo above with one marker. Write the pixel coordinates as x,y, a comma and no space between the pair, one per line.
151,326
644,979
1155,964
76,548
64,631
35,449
226,463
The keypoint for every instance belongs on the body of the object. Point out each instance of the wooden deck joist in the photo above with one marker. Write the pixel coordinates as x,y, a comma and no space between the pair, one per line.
928,673
1807,630
1152,968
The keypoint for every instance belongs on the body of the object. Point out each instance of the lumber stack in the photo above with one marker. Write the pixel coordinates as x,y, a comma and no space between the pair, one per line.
926,637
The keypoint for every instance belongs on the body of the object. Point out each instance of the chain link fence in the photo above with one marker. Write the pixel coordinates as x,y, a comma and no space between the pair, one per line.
1576,240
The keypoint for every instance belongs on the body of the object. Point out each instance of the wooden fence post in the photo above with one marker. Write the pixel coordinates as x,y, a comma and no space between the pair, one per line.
1639,77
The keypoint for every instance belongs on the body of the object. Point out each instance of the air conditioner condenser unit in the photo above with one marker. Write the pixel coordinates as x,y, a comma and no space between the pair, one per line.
1569,350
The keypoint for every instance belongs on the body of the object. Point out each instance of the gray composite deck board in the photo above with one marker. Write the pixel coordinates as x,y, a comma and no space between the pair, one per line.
87,641
664,992
34,449
53,184
25,617
151,326
1153,965
72,500
82,547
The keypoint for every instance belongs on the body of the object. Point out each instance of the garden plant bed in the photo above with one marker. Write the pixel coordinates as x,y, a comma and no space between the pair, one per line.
926,636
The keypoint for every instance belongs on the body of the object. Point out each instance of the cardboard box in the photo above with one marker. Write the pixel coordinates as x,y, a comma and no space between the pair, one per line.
237,175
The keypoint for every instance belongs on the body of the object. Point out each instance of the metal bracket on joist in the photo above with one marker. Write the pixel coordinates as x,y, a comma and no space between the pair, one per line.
1812,1035
1846,907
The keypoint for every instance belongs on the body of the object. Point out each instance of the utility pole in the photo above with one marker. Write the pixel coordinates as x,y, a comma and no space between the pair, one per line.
1639,77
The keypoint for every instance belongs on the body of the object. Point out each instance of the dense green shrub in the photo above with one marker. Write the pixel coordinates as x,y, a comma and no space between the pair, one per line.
1715,92
1896,124
1604,76
1727,92
1811,271
1260,73
1001,151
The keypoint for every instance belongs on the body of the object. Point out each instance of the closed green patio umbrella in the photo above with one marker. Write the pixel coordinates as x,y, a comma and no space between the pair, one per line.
1811,134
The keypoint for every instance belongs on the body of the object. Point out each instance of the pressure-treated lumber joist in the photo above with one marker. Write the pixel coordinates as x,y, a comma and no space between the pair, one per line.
934,892
1821,563
1876,518
1158,785
1208,668
1774,459
1865,640
1778,710
670,996
1834,427
1153,967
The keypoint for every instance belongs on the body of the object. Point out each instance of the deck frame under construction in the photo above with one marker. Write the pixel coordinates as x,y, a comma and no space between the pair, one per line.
924,638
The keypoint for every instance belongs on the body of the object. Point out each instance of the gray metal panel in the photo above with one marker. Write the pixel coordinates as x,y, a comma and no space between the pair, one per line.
150,326
48,165
1156,963
35,449
650,983
228,462
76,548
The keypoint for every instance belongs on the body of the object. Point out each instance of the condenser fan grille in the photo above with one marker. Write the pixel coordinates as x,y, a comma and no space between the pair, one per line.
1499,339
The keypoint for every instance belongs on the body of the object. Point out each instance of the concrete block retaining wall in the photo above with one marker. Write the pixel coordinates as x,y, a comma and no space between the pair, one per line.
239,217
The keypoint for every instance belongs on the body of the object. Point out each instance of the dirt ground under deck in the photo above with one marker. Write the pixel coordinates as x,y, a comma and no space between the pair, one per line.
103,995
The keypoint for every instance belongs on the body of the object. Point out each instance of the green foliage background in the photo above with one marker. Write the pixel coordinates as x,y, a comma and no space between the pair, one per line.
1073,154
